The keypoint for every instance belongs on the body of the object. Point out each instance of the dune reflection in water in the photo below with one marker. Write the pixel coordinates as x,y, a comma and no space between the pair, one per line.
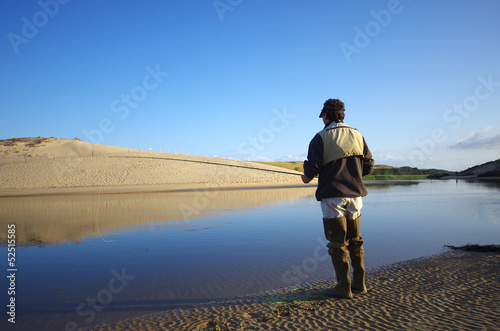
52,220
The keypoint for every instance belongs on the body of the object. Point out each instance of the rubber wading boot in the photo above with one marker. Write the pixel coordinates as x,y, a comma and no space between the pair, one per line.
340,261
357,255
335,232
358,265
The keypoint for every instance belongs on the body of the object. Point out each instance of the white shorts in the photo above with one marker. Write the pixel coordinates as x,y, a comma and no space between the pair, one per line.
341,207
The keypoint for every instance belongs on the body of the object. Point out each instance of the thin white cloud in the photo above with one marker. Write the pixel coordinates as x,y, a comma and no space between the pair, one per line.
391,158
260,158
476,141
301,157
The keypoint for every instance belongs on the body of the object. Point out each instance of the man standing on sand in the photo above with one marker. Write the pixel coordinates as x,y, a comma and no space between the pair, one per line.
340,156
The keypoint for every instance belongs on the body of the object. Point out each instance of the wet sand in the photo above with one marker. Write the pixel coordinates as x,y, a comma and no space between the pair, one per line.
450,291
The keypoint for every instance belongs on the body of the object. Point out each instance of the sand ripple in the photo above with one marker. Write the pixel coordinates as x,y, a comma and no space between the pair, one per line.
451,291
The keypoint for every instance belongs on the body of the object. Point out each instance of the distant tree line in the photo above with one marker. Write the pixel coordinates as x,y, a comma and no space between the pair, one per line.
410,171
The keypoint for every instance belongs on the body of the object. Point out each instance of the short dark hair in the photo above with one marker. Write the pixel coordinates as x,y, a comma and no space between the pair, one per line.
334,109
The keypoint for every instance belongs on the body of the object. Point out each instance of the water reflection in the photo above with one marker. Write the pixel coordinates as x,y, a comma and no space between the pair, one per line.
190,247
42,221
491,184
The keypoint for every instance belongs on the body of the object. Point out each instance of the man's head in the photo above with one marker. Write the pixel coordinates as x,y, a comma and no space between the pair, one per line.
334,110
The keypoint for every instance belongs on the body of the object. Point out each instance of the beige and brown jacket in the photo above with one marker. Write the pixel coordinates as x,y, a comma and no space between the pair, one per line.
340,156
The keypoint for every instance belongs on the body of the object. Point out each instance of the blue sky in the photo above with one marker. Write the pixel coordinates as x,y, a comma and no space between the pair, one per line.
247,79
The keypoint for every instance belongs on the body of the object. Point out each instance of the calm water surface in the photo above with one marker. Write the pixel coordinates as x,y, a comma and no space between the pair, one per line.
84,259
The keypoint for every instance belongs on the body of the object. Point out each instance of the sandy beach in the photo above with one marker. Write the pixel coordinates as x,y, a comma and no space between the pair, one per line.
450,291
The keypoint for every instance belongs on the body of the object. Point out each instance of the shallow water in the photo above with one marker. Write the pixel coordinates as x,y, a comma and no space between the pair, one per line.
82,259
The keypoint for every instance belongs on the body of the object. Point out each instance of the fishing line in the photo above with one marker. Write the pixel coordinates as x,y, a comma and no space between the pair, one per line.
171,159
206,162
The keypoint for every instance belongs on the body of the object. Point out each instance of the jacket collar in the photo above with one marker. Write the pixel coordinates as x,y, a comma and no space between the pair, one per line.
333,125
328,124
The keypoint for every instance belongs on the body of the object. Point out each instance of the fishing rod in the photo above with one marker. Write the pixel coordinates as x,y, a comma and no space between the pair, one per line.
207,162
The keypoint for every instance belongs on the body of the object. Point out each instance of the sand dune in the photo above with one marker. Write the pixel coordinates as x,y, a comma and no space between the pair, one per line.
62,165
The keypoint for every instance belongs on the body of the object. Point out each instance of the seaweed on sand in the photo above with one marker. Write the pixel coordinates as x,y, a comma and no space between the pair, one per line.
476,248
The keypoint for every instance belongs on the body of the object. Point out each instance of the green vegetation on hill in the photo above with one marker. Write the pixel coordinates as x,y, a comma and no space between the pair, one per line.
28,141
394,177
408,171
290,165
488,169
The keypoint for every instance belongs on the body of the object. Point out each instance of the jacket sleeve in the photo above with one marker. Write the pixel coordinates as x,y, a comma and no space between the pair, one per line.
368,162
313,164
